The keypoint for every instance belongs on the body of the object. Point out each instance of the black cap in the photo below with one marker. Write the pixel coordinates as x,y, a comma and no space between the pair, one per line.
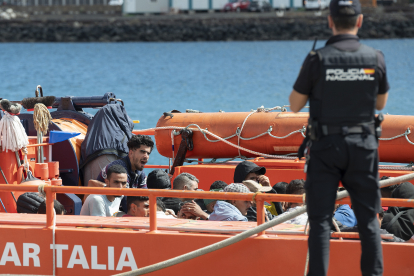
158,179
244,168
336,5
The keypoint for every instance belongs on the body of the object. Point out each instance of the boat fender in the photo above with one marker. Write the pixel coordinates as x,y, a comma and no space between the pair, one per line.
29,203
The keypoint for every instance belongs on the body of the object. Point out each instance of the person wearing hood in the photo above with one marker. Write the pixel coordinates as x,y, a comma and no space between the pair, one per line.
232,210
247,170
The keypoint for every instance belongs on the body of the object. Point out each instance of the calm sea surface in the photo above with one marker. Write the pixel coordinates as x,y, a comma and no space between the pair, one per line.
153,78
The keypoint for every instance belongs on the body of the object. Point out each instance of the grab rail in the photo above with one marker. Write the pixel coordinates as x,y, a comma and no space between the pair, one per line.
153,194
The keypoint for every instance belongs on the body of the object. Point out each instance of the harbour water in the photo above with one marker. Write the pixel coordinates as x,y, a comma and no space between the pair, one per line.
153,78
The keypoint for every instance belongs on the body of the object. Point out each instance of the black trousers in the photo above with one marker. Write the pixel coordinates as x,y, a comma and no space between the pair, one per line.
353,160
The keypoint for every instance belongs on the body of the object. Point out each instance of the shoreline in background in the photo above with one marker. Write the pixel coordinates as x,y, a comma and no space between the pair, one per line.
293,25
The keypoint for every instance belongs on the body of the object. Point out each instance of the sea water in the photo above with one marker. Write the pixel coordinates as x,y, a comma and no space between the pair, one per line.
152,78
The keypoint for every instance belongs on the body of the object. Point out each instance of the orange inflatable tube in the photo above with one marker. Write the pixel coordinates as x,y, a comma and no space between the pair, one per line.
287,126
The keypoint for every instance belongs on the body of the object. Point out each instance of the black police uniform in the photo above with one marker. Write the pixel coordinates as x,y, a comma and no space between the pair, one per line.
342,81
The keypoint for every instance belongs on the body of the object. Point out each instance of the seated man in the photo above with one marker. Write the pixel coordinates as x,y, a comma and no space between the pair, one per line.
162,212
59,209
210,203
107,205
185,182
247,170
399,220
138,206
140,148
382,231
232,210
217,185
296,187
255,187
280,187
345,215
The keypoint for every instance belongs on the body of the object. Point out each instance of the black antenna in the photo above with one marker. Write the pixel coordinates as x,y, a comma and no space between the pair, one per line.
314,43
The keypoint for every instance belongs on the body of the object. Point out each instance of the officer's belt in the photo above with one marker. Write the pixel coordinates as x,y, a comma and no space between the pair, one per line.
345,130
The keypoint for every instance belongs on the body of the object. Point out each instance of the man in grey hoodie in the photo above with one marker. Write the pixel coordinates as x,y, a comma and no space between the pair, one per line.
232,210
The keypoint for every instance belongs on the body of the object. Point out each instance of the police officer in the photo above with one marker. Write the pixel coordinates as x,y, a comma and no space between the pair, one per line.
345,82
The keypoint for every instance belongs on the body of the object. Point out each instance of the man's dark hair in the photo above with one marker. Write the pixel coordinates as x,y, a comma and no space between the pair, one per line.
346,22
115,169
280,187
57,205
160,205
134,199
137,140
296,187
183,179
218,185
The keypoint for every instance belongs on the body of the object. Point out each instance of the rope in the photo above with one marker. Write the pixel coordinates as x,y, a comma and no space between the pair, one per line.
396,168
408,140
306,263
13,135
254,196
244,235
302,130
398,136
212,161
41,189
41,118
406,133
241,129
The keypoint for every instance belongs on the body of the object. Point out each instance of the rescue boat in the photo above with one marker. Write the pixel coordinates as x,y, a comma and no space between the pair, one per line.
192,142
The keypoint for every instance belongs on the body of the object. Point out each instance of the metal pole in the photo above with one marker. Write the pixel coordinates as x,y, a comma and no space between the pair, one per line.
49,207
153,213
40,149
260,214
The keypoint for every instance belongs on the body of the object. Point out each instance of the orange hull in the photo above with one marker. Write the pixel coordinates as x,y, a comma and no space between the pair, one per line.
98,248
397,150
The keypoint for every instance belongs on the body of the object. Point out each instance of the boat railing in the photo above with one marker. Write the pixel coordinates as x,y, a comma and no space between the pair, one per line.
259,198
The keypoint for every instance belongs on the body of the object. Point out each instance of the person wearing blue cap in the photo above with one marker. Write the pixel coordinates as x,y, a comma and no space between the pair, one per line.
345,82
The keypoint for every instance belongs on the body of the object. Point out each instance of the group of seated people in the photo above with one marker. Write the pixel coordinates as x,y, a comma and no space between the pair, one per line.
248,178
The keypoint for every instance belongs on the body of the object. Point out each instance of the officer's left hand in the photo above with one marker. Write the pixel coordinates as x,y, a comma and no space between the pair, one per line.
263,180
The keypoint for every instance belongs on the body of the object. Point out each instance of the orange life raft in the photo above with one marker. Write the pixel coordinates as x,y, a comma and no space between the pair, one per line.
273,133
